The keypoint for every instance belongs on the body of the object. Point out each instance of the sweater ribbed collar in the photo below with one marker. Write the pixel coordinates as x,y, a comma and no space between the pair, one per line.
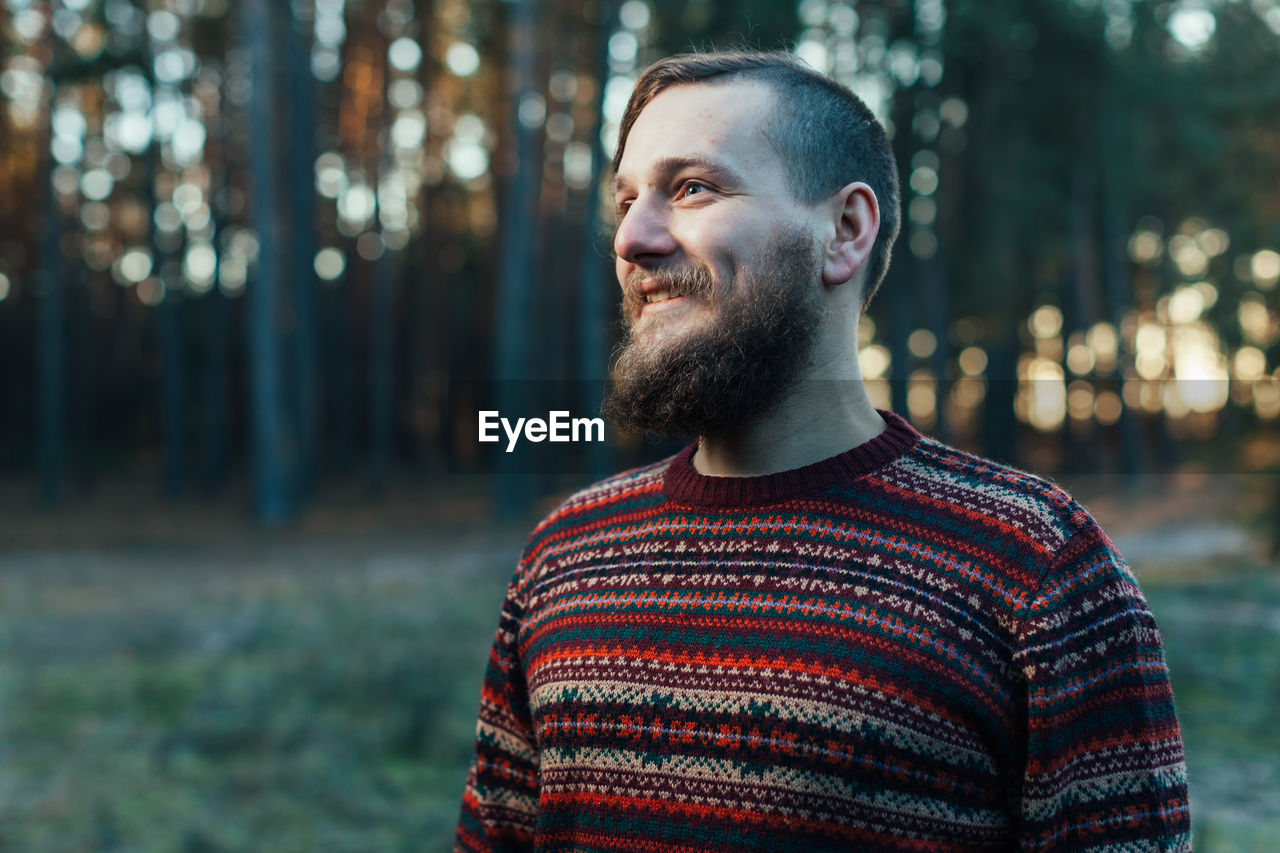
684,485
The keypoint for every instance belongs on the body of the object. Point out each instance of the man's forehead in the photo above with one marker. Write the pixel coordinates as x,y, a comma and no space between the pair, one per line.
709,120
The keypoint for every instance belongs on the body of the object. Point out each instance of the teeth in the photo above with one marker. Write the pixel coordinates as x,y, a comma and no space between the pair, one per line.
659,296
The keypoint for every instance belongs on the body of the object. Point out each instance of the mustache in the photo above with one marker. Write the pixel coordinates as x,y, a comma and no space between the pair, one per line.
678,280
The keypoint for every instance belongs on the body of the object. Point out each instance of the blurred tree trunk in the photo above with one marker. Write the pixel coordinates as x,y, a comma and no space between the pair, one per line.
173,403
381,366
215,390
426,296
168,319
51,334
302,245
216,329
1115,275
273,449
51,347
11,388
341,356
1168,453
1080,454
81,375
382,383
996,151
520,196
514,350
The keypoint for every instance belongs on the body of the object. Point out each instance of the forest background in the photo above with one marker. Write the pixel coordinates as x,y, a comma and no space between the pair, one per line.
261,262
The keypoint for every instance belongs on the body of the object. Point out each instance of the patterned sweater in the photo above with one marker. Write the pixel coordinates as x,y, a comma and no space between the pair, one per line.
903,647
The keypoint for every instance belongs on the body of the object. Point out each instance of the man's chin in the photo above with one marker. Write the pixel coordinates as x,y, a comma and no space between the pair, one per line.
654,337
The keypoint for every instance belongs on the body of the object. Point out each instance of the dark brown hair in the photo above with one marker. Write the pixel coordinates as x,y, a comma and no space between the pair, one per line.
825,135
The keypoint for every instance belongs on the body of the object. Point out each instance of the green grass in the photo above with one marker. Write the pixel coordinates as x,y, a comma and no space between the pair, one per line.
293,707
1222,639
301,696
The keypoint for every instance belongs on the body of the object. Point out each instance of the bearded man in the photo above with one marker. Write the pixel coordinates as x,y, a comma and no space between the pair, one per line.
813,628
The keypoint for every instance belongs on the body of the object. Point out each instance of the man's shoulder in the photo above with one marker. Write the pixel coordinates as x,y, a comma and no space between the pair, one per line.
1000,497
1017,535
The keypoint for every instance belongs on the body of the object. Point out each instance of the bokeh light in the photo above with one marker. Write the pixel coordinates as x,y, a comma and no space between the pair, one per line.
1264,266
462,59
330,263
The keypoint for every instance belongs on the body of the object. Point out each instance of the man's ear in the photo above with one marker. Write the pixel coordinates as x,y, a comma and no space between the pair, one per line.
856,214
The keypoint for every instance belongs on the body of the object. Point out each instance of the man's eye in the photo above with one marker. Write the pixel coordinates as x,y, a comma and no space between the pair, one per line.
623,207
692,188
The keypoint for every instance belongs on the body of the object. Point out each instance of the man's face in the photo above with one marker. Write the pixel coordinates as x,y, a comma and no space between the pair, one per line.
718,263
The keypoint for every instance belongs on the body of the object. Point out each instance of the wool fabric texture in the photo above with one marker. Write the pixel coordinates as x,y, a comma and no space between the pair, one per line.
900,648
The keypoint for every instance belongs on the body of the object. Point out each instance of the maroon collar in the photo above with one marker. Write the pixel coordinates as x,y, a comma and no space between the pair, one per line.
684,485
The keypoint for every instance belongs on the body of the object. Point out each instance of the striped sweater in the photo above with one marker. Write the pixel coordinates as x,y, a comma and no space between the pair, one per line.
903,647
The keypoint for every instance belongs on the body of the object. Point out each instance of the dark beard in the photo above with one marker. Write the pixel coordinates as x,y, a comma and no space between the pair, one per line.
716,382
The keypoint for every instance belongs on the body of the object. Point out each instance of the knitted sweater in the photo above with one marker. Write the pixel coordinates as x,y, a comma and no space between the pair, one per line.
903,647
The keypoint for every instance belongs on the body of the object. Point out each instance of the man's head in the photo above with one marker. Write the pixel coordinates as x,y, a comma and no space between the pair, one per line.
825,135
739,268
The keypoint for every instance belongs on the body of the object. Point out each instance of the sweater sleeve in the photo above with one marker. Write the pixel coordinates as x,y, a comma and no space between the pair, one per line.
499,802
1104,761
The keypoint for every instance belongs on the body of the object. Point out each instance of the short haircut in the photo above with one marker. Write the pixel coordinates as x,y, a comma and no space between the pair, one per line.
826,136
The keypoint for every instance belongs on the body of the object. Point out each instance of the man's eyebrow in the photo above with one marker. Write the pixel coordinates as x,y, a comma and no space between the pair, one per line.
714,169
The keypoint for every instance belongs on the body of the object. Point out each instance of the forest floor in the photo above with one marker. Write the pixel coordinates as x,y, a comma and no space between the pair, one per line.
174,678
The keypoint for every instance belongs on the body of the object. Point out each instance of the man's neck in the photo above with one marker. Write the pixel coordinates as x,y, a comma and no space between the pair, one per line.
818,420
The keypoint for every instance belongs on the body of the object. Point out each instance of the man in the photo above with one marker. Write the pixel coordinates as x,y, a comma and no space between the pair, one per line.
812,629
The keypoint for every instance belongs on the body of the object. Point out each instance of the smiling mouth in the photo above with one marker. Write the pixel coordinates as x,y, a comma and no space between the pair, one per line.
658,303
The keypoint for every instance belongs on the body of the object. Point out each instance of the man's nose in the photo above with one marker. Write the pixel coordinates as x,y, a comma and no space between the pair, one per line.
644,232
